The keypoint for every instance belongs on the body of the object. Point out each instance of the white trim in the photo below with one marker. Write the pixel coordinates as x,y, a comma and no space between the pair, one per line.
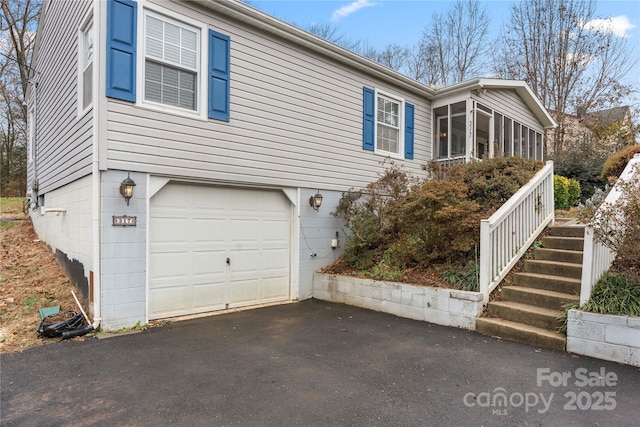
201,80
87,22
401,124
31,135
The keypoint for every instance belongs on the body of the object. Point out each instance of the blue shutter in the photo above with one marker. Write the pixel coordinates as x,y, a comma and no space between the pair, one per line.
408,131
368,118
219,75
121,49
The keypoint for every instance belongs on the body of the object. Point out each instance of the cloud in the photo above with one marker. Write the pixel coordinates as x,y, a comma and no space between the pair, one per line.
347,10
618,25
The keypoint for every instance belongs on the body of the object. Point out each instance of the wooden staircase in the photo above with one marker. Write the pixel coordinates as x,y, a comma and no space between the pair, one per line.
530,309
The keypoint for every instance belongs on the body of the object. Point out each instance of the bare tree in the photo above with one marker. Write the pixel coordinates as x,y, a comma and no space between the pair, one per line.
332,33
458,40
572,68
18,22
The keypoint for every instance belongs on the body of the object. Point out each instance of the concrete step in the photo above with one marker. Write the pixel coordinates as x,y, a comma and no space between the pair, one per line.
569,243
553,268
560,255
514,331
539,317
567,231
539,297
550,283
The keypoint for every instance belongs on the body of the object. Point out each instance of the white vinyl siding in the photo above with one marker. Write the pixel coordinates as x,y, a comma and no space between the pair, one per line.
64,141
297,121
171,62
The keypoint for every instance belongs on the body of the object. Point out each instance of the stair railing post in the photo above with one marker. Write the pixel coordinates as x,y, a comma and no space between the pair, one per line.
485,258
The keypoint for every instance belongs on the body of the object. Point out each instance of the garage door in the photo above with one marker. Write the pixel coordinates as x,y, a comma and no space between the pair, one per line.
212,248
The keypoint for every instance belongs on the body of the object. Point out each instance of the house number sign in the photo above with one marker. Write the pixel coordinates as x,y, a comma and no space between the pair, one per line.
125,221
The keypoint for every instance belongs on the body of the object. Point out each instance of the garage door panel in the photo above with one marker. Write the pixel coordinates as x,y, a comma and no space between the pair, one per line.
170,265
275,230
171,301
210,230
244,291
194,229
245,261
245,231
275,287
209,263
275,259
209,295
212,200
169,230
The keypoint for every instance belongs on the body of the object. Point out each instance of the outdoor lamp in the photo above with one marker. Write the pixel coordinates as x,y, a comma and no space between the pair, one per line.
126,188
316,201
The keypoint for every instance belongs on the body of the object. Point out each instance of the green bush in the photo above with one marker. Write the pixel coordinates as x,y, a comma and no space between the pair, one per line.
566,192
586,172
574,193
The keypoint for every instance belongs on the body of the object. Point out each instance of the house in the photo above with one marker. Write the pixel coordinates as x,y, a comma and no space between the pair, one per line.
185,157
605,131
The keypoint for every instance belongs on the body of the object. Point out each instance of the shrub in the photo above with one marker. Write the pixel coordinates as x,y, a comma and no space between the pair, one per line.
615,164
465,276
399,223
583,162
617,226
615,294
566,192
492,182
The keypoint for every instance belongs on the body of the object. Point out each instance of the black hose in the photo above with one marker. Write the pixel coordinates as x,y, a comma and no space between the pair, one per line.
75,321
77,332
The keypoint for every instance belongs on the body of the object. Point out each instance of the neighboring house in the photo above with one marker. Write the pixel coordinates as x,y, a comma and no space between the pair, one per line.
607,131
228,121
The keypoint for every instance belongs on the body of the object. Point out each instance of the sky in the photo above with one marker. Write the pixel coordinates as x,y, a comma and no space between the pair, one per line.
382,22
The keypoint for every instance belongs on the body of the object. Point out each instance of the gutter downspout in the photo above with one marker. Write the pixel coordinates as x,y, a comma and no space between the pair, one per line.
95,165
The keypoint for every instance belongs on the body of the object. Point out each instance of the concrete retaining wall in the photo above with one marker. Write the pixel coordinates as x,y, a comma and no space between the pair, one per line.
604,336
446,307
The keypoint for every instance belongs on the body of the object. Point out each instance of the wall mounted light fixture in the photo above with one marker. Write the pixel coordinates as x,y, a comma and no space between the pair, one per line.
126,188
316,201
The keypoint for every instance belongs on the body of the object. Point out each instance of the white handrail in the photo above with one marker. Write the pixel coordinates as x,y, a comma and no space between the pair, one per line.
509,232
597,258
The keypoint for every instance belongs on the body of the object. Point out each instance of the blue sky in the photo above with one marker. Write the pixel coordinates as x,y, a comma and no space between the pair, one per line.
401,21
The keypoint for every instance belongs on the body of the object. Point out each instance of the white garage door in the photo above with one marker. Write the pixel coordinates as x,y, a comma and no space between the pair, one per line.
212,248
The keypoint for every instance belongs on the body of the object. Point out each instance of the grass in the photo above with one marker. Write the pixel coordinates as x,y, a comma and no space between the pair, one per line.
12,205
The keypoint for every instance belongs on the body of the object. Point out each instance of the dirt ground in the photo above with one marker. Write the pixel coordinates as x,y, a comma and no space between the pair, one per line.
30,278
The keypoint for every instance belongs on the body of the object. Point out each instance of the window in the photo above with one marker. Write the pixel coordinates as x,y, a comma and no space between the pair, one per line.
31,137
171,62
85,88
450,130
388,125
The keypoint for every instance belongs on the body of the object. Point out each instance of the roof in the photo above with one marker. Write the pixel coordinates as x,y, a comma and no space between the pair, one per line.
611,115
519,86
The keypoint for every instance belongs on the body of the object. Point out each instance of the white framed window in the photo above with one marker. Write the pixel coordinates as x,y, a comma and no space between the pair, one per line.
172,63
31,136
389,125
85,65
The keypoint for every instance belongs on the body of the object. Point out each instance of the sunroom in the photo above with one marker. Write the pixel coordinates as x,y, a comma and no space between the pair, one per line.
487,118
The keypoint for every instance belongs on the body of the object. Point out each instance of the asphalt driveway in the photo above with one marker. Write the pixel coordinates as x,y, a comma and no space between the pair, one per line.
311,363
